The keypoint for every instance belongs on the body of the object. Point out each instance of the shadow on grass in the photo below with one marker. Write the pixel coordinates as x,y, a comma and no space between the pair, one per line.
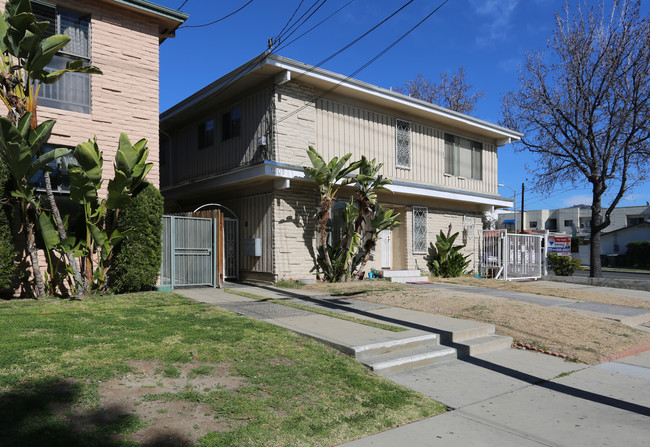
47,413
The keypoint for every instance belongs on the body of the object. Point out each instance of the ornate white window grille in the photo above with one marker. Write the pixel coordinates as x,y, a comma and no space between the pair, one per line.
420,229
402,144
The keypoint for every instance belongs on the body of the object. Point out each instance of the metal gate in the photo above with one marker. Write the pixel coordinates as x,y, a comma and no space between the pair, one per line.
231,258
189,252
512,256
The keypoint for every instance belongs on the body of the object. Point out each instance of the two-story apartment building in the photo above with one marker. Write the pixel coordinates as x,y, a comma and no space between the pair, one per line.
241,143
121,37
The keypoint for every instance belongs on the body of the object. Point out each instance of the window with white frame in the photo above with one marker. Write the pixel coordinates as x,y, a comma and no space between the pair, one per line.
72,91
402,144
420,229
463,157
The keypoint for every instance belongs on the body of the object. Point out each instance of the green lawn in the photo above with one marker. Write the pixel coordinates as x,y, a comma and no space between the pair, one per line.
56,354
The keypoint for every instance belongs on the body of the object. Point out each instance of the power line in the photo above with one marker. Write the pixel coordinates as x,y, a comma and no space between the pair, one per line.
218,20
314,27
178,9
364,66
330,57
297,25
291,18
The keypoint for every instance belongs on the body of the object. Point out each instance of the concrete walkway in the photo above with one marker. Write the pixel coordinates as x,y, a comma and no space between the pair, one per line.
519,398
506,398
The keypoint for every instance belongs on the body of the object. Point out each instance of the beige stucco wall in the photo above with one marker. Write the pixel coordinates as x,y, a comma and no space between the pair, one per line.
466,222
124,45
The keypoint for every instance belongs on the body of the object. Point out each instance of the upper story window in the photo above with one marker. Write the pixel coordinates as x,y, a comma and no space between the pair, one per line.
231,124
402,144
205,134
72,91
58,168
463,157
568,223
532,224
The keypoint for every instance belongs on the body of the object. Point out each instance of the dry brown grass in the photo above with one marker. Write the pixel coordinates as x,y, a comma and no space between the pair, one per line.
582,337
550,289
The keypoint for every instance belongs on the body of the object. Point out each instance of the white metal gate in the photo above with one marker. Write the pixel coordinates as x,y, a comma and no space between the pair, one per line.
512,256
231,257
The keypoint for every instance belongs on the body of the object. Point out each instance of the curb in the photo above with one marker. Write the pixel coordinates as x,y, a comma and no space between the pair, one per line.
626,353
528,347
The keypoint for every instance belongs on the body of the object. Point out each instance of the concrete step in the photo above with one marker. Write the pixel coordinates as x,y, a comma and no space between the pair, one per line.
390,273
450,330
407,279
395,362
399,345
482,345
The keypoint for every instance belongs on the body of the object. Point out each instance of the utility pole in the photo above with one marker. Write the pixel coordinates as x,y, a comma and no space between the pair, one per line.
522,208
514,203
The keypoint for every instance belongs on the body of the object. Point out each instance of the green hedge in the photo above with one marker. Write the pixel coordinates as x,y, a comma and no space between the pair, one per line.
136,263
7,250
638,254
563,265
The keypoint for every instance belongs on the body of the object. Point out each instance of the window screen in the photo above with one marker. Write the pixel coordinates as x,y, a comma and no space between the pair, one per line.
420,229
402,144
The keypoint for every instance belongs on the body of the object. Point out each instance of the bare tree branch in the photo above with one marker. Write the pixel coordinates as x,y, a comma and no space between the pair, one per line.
453,92
585,107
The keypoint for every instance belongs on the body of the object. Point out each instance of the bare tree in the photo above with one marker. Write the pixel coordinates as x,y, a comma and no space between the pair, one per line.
584,112
453,92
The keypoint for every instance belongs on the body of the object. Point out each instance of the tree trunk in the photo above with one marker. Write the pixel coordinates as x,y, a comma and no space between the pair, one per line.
595,269
33,255
82,287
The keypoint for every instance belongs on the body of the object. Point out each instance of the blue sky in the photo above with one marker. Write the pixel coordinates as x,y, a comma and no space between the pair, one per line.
489,38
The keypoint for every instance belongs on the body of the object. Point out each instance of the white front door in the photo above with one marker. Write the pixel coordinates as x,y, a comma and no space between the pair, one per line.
386,249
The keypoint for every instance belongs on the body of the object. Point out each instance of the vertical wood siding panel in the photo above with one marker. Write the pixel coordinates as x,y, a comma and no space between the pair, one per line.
345,128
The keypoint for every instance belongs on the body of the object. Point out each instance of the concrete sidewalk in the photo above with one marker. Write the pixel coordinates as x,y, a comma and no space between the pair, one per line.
506,398
519,398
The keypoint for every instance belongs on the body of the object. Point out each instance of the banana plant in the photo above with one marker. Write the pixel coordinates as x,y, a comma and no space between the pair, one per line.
21,146
382,219
25,54
100,215
329,177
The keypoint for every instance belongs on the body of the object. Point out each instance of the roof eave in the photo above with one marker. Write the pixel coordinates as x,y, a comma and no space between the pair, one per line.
501,135
169,19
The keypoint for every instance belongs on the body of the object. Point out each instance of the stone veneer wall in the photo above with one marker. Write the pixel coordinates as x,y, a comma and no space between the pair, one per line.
294,234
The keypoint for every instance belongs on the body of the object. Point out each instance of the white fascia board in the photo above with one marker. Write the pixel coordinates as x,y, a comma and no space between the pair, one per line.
277,170
269,169
449,195
506,135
